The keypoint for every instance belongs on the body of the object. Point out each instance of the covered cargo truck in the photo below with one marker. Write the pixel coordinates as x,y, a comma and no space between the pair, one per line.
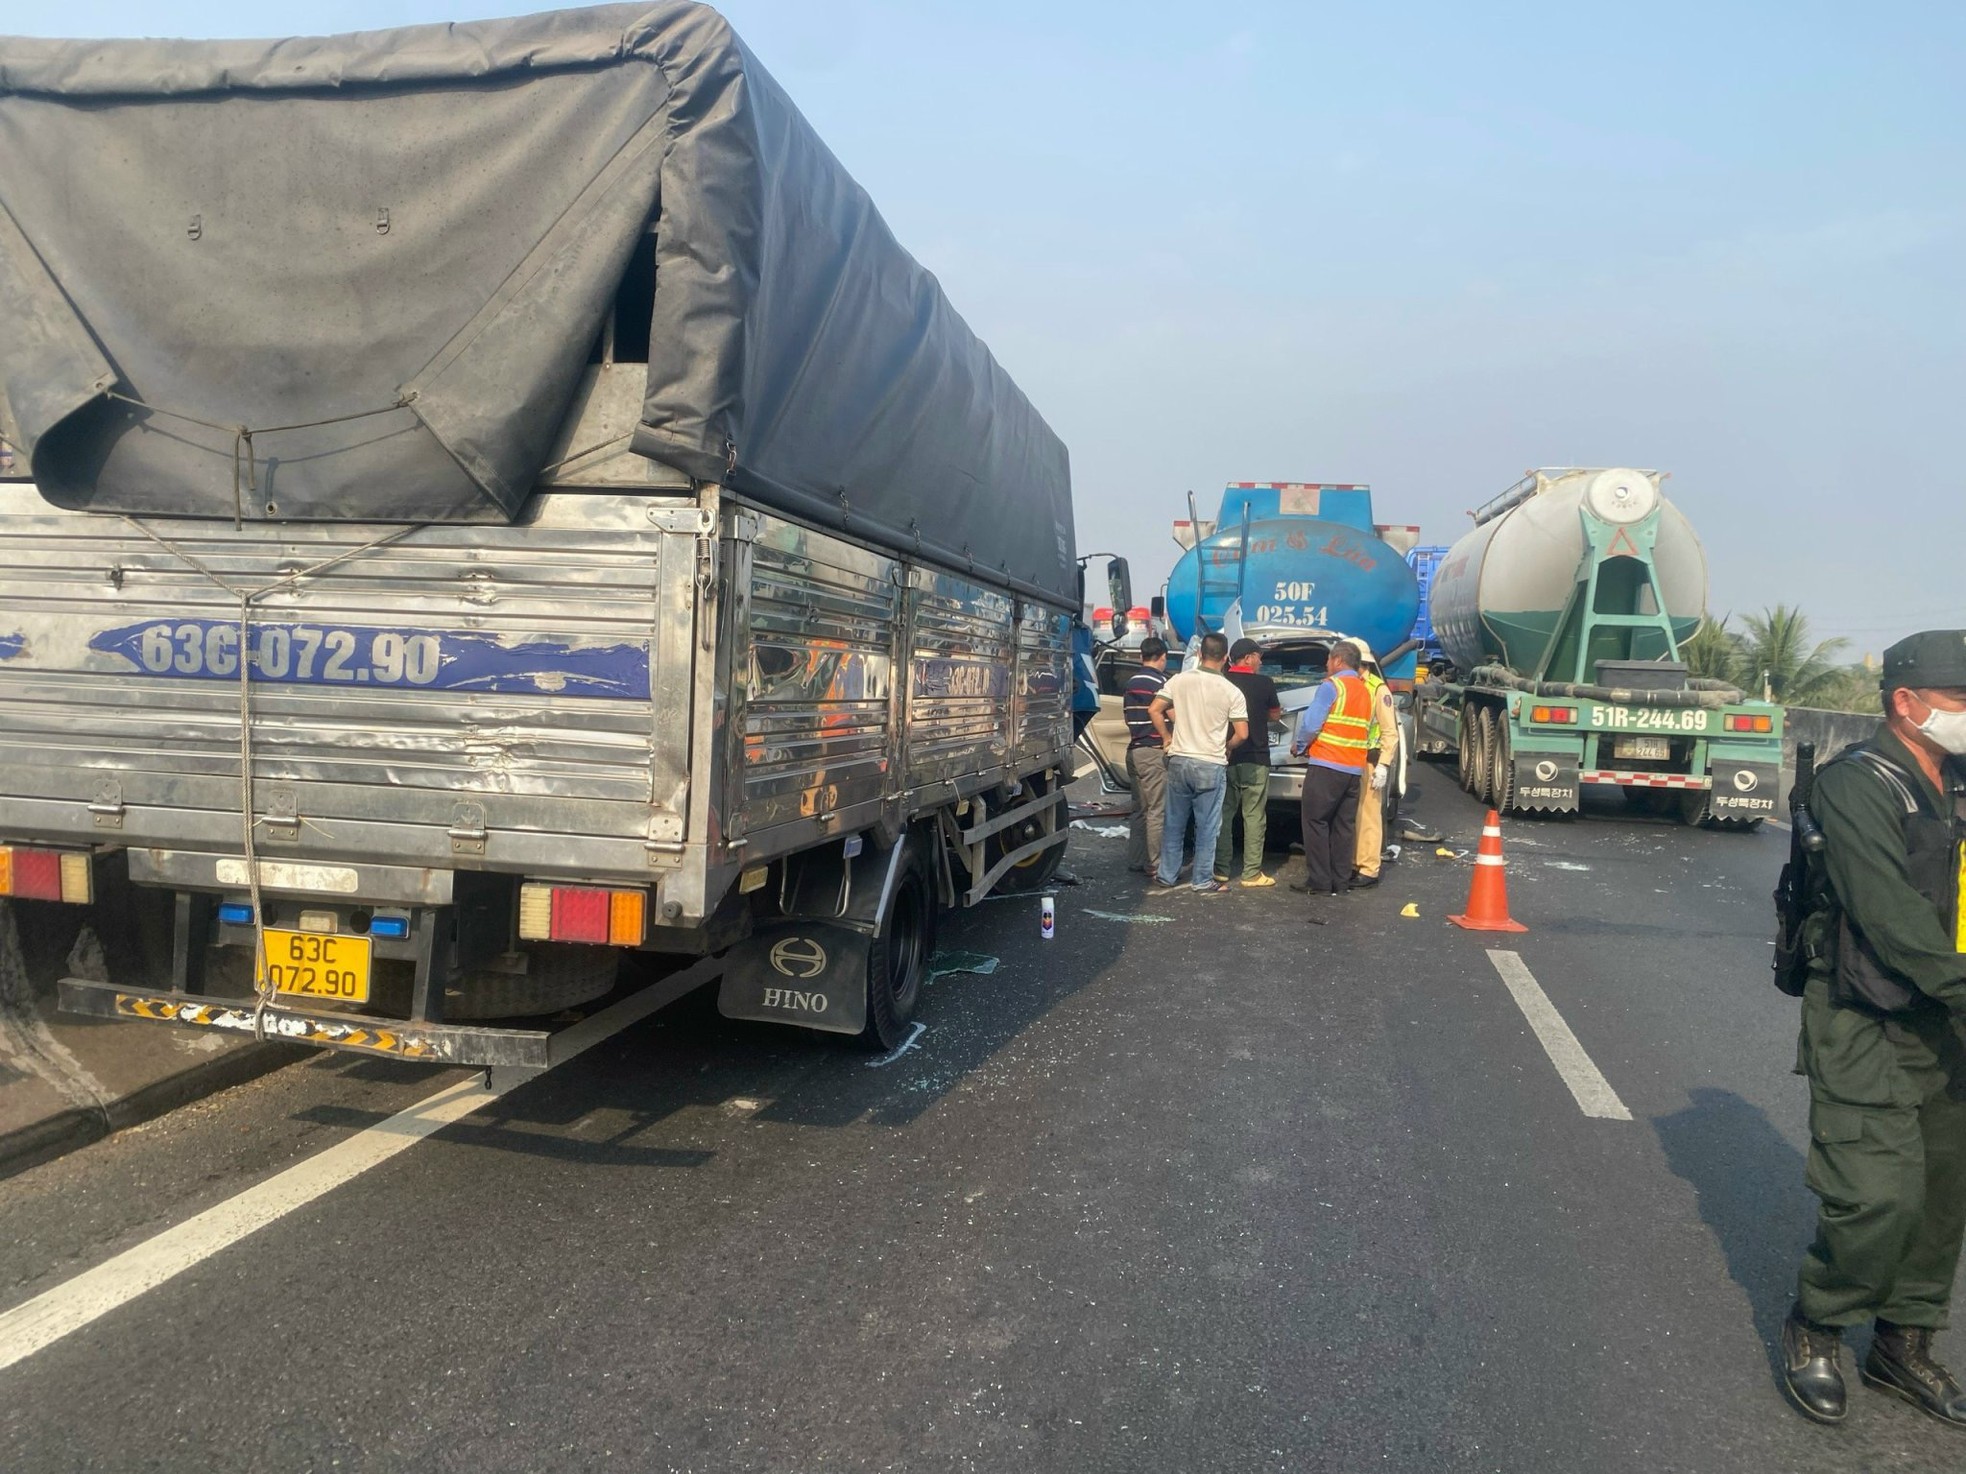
1560,618
492,498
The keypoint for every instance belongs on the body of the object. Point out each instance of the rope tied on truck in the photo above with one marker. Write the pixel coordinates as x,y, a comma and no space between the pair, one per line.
245,454
263,989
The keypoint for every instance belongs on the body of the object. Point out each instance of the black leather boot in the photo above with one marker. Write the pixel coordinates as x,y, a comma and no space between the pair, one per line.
1811,1373
1900,1363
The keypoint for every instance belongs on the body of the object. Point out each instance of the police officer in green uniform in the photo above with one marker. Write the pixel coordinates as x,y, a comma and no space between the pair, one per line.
1884,1044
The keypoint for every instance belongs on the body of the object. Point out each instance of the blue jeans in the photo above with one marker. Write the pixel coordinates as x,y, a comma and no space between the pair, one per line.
1193,787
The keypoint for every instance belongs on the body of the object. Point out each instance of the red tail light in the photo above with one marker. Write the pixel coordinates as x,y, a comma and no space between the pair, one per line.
572,913
45,875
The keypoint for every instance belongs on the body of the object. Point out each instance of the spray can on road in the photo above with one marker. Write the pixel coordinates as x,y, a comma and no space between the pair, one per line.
1048,917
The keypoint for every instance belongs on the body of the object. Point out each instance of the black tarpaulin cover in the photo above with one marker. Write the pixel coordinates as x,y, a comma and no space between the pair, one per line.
388,257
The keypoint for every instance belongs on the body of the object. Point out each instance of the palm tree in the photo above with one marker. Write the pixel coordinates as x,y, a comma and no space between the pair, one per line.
1713,650
1854,689
1776,652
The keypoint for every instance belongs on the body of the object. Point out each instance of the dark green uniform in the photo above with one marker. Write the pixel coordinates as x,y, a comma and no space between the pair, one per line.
1887,1091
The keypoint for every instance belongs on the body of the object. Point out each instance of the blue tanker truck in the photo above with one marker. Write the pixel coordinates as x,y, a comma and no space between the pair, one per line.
1299,565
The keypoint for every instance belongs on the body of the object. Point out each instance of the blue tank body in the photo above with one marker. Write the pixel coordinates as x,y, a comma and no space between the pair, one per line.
1325,572
1424,561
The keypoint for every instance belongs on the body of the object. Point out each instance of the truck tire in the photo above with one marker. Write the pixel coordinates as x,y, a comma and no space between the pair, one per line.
557,977
1502,774
1465,750
1484,758
1495,746
898,961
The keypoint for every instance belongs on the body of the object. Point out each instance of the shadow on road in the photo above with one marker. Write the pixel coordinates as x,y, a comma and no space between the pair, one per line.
689,1058
1748,1183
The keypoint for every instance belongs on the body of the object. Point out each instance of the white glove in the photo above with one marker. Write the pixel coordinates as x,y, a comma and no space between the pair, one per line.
1381,776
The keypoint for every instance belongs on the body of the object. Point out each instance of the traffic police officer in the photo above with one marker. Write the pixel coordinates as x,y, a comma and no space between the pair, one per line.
1884,1046
1382,761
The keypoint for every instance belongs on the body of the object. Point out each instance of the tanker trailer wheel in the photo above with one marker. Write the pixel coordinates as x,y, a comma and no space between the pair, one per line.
557,976
1484,758
898,960
1495,729
1693,807
1502,775
1464,750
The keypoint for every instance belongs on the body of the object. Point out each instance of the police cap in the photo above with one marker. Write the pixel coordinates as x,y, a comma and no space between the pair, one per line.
1932,660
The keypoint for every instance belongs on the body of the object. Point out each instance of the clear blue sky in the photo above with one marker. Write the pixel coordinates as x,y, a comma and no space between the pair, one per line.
1422,245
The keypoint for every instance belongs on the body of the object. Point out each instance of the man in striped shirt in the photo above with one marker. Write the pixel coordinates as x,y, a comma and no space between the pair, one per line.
1146,758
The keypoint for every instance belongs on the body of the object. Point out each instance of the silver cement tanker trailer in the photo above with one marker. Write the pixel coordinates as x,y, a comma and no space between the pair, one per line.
1561,614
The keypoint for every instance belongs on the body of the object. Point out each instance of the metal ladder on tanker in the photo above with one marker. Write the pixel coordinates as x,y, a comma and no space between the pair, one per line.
1226,587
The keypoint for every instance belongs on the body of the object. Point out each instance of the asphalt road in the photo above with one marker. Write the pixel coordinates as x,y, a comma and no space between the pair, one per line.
1210,1189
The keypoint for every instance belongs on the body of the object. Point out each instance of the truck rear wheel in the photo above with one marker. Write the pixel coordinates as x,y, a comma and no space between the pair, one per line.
1502,775
557,976
898,960
1464,750
1484,756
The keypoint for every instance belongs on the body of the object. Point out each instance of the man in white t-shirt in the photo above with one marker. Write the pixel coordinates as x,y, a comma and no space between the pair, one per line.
1209,717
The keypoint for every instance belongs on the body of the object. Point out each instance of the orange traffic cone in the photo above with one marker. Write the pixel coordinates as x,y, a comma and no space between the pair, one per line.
1488,897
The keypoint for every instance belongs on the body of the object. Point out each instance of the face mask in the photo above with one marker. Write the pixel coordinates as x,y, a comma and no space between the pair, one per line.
1945,729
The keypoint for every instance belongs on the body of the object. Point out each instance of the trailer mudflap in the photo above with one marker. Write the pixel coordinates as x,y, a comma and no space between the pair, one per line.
437,1044
1744,788
807,973
1547,781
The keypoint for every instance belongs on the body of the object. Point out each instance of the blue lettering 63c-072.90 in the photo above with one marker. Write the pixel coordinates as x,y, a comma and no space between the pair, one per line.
431,660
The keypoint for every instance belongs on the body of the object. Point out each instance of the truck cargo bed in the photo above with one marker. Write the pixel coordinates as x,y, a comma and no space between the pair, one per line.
456,679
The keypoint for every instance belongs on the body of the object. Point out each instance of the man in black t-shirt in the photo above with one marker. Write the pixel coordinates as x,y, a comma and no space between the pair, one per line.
1146,759
1249,770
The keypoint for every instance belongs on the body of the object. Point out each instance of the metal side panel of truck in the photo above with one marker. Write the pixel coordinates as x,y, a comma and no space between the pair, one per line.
670,693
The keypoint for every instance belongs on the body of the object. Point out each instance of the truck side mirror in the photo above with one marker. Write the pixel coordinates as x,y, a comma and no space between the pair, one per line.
1157,607
1119,585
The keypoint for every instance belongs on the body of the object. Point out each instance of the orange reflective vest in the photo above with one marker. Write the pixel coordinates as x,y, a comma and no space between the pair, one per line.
1344,739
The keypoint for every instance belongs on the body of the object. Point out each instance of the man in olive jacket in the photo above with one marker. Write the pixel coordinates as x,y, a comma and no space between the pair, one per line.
1884,1046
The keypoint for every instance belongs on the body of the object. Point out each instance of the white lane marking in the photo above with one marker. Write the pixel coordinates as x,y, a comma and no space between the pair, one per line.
91,1295
1594,1094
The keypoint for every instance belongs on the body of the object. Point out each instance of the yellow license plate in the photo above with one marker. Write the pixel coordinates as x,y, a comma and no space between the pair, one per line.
309,964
